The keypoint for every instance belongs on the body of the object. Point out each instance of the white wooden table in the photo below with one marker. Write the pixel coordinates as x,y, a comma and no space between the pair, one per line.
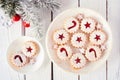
109,9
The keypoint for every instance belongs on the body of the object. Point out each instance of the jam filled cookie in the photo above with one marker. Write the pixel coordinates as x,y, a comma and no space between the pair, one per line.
98,37
88,25
18,59
71,25
78,40
30,49
78,60
60,36
93,53
64,52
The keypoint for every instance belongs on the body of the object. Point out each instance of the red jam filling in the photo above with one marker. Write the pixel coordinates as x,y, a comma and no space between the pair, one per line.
87,25
77,60
93,50
63,49
29,49
79,39
74,24
61,36
97,37
18,56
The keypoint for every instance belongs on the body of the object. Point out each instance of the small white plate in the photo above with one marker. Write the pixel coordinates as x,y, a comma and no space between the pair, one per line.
16,46
58,23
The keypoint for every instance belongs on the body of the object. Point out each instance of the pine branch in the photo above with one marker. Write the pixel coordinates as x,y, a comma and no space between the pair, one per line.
50,4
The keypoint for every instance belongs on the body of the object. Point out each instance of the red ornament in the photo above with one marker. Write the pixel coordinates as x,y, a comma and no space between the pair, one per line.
16,17
26,24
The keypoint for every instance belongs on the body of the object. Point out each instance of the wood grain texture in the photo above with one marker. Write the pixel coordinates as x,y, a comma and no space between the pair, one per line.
14,32
100,7
58,73
114,59
4,42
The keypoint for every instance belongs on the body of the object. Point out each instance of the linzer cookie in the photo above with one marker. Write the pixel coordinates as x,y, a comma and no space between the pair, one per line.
18,59
78,40
93,53
88,25
60,36
78,60
98,37
71,25
30,48
64,52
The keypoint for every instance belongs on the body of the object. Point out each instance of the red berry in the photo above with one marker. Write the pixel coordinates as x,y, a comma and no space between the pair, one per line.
26,24
16,17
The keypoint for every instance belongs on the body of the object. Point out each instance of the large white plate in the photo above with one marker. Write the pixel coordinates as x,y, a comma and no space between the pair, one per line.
58,23
16,46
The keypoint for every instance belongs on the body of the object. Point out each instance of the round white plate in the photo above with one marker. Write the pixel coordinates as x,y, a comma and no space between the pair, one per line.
16,45
58,23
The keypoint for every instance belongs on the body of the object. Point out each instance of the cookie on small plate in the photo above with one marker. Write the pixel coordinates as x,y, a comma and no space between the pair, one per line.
30,48
18,60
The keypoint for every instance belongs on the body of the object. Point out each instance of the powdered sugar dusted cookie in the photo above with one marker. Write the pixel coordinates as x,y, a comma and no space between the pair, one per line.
71,25
78,60
93,53
18,59
64,52
88,25
98,37
78,40
30,48
60,36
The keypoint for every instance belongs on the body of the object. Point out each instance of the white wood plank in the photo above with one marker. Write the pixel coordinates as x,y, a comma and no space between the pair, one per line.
99,6
14,32
7,35
44,73
4,44
58,73
5,39
114,20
